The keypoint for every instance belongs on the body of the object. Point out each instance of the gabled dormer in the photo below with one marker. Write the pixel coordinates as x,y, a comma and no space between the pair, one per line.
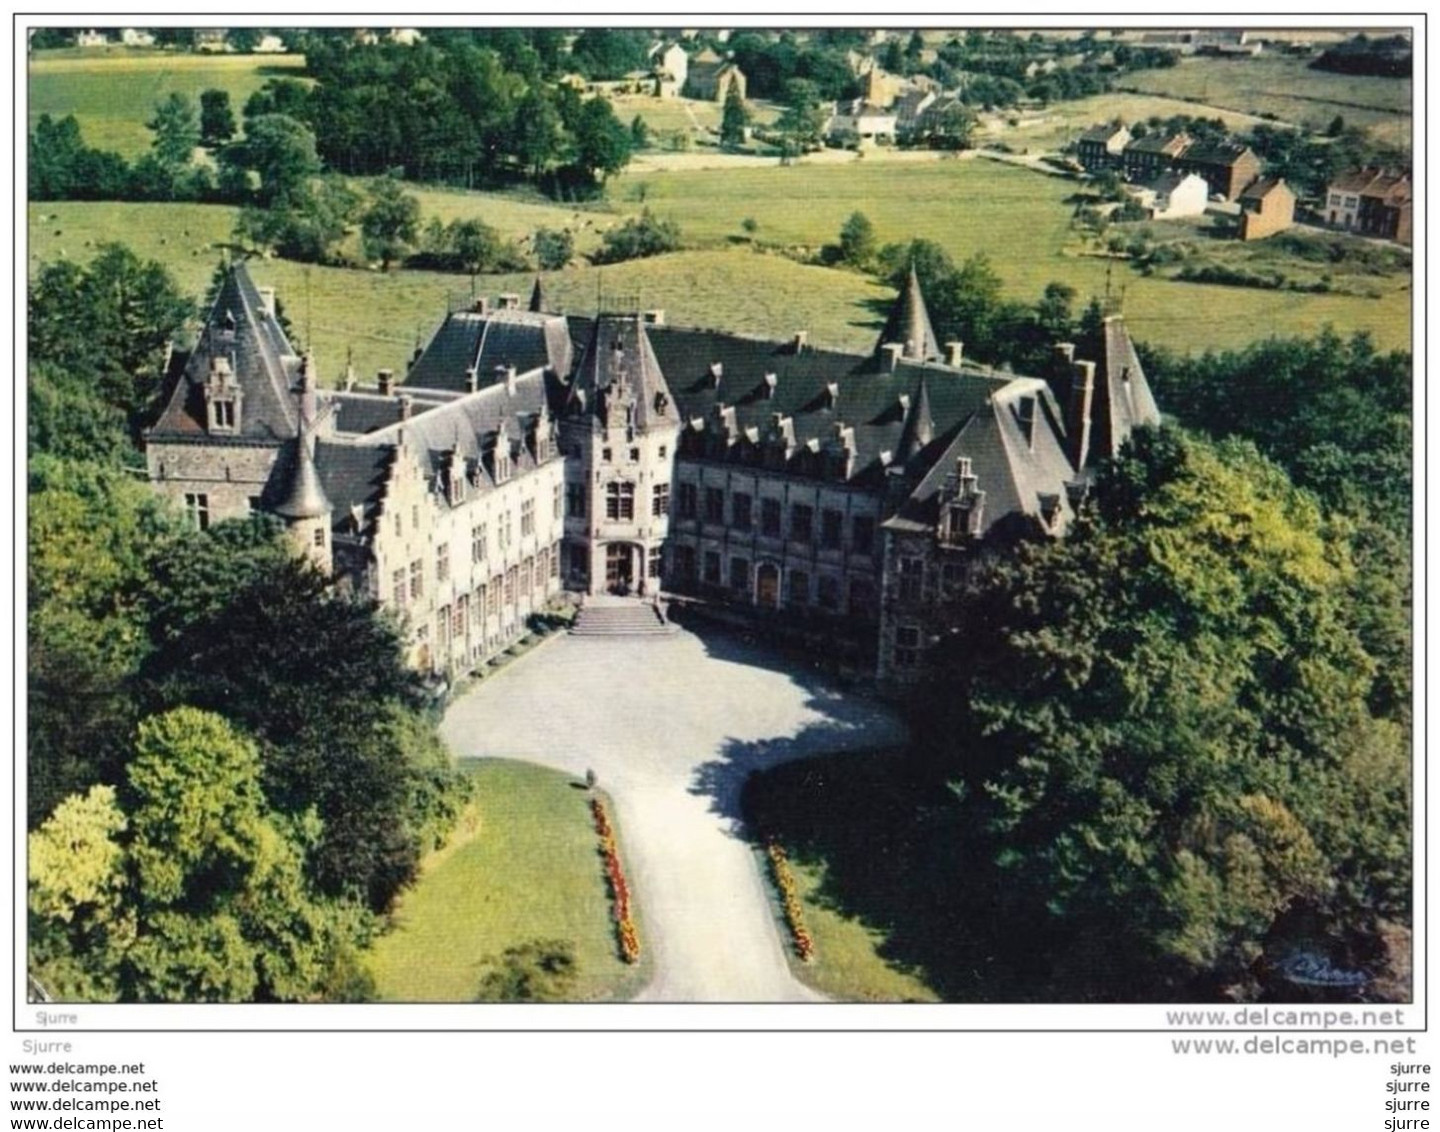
223,397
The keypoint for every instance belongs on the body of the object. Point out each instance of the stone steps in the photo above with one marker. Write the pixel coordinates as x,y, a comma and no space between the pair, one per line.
631,619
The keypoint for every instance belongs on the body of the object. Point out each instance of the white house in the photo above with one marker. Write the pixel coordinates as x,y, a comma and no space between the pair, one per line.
1173,195
91,38
136,37
862,121
409,37
270,45
671,66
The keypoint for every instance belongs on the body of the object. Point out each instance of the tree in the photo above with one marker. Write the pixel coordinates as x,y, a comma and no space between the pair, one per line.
643,235
280,151
952,127
553,248
217,120
857,240
1163,772
601,142
536,135
389,225
639,134
541,970
733,119
802,121
303,225
177,130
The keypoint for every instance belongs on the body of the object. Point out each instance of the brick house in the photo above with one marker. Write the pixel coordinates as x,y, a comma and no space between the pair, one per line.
1227,168
1144,159
1103,147
1373,202
1266,207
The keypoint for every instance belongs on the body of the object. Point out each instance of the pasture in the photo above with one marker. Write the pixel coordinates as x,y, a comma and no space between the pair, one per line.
523,866
1290,90
113,93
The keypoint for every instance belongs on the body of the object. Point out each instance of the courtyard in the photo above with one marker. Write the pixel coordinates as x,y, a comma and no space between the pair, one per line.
672,726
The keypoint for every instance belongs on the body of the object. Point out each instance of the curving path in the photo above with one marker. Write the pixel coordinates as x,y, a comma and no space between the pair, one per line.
672,726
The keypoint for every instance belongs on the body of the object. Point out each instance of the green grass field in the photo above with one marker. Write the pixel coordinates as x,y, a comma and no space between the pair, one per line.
531,870
1288,88
113,93
1063,122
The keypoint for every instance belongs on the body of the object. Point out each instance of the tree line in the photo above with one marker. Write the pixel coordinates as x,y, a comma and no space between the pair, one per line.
231,772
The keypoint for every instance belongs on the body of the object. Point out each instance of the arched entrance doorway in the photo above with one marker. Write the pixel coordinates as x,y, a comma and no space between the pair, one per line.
767,585
619,568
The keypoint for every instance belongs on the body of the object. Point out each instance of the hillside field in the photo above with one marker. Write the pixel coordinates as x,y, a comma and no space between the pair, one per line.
113,93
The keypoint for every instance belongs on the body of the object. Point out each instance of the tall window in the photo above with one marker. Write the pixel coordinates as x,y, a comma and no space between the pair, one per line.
197,509
479,543
442,563
527,518
912,575
802,519
714,505
497,584
477,607
417,578
660,500
830,524
689,501
770,517
510,578
620,501
656,565
575,500
740,511
740,574
555,560
907,646
527,576
558,503
862,534
799,587
505,531
399,595
712,567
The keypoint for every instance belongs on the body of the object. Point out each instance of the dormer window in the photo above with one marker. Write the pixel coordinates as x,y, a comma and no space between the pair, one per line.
222,398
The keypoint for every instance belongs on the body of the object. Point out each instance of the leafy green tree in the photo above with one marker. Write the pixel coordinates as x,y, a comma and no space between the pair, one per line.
640,236
734,119
639,133
536,134
857,240
601,143
540,970
304,225
389,225
217,120
554,248
280,151
176,128
802,122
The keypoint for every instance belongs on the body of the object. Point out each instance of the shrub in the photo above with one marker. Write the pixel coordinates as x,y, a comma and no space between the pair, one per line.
640,236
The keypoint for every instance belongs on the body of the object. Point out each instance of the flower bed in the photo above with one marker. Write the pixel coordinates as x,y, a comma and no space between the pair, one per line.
619,888
790,900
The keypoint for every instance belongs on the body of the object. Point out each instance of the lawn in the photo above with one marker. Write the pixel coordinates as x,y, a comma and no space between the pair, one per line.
847,826
113,94
1288,88
529,869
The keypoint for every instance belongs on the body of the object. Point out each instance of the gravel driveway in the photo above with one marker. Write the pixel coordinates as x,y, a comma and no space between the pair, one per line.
672,726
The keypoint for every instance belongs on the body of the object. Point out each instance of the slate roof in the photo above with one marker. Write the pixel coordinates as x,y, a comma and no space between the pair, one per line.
1102,133
353,476
1013,473
1171,145
1259,190
491,341
1122,398
305,496
265,365
909,324
1220,153
619,350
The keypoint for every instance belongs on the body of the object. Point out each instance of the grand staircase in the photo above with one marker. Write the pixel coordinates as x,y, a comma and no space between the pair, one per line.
603,615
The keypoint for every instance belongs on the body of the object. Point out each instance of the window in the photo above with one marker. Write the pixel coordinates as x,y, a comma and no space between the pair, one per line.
399,526
831,523
664,451
442,563
862,534
320,538
575,500
683,562
397,588
197,508
527,518
660,500
505,532
907,646
497,585
712,567
527,576
740,511
770,517
688,501
477,610
620,501
415,516
802,518
479,543
862,598
417,578
655,567
442,631
634,455
799,587
511,576
740,574
555,560
556,511
224,414
828,592
714,505
607,455
912,576
254,504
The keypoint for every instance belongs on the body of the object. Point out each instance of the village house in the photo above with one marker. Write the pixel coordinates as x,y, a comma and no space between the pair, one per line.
861,123
839,497
1372,202
92,38
710,78
1144,159
671,68
1103,147
137,37
1228,168
1171,196
1266,207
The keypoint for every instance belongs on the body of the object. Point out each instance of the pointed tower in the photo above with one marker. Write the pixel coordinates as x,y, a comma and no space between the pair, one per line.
919,425
538,302
622,426
909,325
303,504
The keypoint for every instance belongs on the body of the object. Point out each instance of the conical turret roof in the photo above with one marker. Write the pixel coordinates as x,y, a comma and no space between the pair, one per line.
305,495
919,424
909,325
537,296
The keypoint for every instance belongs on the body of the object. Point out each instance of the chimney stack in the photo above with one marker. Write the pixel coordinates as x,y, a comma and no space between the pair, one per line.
510,381
472,380
385,379
893,351
771,381
510,301
481,305
655,317
407,406
267,299
801,338
954,354
1077,413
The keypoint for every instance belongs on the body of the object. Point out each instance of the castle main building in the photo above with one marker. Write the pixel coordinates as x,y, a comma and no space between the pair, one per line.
525,453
